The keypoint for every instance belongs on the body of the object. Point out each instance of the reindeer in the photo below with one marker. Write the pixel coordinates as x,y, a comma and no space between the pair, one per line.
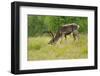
65,30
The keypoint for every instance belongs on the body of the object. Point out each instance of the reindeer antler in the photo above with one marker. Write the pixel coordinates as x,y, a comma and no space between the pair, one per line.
49,32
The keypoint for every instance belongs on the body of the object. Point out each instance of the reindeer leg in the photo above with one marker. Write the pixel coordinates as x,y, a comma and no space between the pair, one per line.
74,36
61,38
65,36
78,36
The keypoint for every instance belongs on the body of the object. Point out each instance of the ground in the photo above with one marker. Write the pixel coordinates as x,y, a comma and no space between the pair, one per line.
39,49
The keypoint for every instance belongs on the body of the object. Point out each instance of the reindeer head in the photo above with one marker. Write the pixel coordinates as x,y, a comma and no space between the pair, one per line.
55,38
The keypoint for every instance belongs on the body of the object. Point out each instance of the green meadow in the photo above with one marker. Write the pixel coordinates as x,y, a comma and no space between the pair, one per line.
39,49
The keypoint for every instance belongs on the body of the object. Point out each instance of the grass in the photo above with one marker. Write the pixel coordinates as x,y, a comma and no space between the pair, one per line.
39,49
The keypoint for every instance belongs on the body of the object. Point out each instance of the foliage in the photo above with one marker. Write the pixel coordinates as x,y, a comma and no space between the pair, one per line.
38,24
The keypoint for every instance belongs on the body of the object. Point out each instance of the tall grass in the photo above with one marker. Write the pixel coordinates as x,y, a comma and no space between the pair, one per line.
39,49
